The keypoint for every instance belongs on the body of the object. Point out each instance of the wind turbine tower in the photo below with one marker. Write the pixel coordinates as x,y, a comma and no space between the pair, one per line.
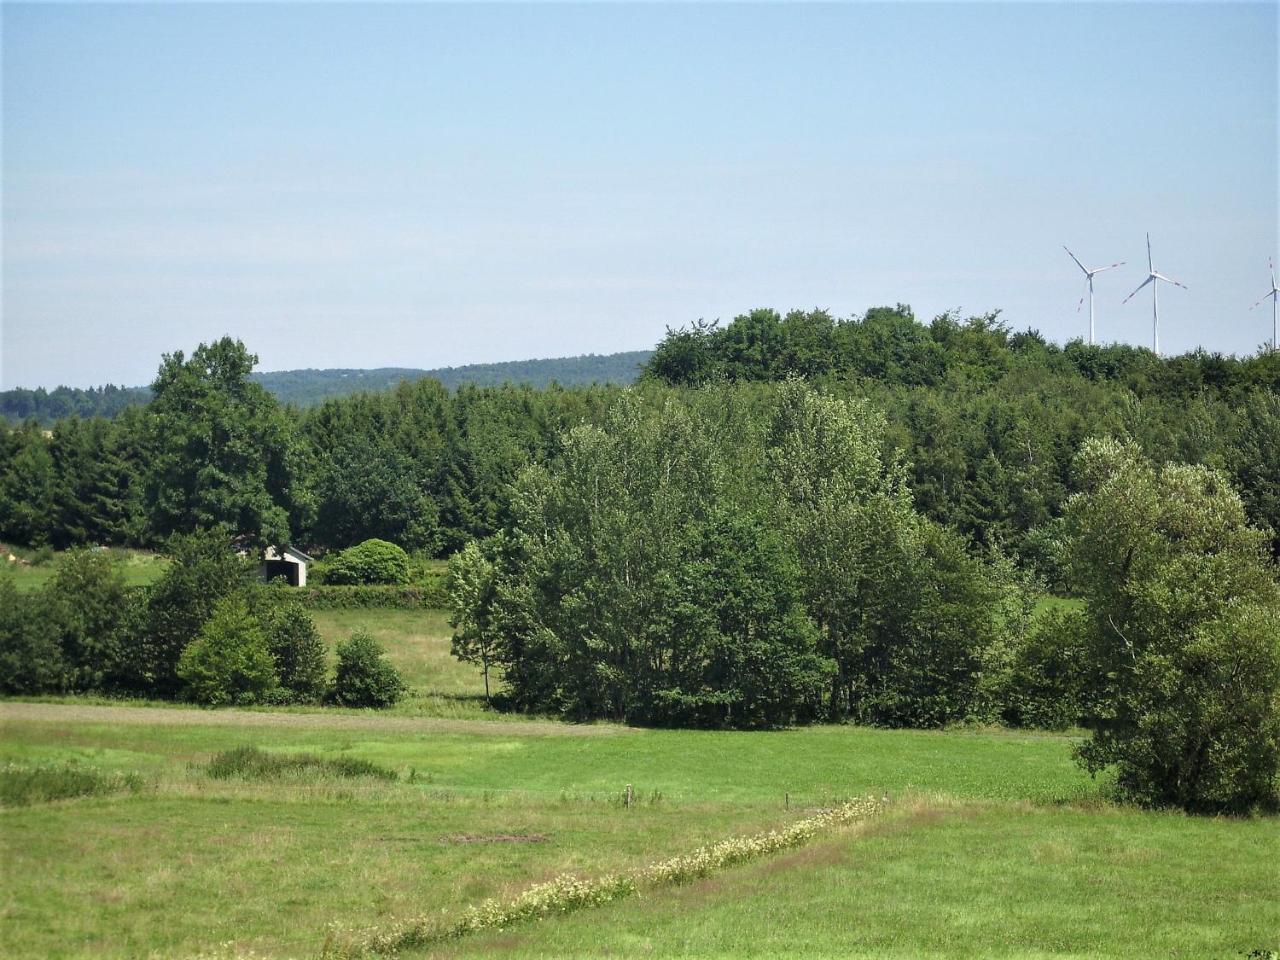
1154,277
1089,274
1272,295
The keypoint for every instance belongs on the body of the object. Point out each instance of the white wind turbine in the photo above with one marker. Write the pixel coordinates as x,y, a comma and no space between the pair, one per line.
1089,276
1154,277
1272,294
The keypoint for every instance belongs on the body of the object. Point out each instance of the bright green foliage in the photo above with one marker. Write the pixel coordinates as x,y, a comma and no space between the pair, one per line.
202,571
371,562
1183,650
364,677
229,661
472,582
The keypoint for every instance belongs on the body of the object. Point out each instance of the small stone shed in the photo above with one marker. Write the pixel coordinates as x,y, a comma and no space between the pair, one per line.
285,563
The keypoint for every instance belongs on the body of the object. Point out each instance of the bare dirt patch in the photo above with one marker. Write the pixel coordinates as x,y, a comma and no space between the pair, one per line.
497,838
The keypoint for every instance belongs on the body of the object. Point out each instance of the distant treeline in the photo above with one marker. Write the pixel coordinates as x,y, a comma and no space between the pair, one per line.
985,422
306,388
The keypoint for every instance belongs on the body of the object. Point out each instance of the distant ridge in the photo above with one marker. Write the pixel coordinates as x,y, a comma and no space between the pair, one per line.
305,388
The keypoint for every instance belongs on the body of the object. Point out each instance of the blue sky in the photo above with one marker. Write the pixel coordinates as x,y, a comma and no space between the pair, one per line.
427,185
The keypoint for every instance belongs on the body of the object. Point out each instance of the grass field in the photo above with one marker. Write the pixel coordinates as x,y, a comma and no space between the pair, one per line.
30,571
417,643
995,843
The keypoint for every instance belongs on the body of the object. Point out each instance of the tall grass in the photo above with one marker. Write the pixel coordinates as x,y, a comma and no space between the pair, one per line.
250,763
21,786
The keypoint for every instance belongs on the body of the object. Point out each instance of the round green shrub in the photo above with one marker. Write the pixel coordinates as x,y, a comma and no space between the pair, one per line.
374,561
364,677
229,661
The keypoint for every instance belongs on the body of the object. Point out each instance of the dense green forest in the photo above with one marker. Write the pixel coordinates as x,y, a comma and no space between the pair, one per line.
984,421
790,518
305,388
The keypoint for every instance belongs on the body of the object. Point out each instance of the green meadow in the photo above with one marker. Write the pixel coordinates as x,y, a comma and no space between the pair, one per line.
994,843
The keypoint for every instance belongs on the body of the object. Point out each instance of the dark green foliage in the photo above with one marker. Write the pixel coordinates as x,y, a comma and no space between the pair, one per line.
97,618
295,645
1182,634
368,563
229,661
28,486
1255,462
305,388
30,656
223,451
46,406
364,678
1047,677
203,570
742,650
21,786
921,664
413,597
720,563
251,763
370,490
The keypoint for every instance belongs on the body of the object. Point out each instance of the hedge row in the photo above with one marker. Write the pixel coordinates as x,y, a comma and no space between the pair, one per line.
413,597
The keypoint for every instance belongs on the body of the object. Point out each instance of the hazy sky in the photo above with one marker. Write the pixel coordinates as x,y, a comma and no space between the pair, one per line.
428,185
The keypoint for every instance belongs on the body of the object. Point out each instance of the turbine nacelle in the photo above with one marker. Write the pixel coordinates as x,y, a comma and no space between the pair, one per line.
1089,275
1153,278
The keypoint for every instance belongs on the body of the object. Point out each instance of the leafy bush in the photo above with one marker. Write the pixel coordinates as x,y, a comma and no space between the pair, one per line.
295,644
98,618
1182,633
202,571
1045,684
431,596
364,677
30,657
229,661
374,561
250,763
22,785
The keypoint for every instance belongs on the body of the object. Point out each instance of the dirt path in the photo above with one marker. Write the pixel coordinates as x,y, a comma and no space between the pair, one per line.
11,712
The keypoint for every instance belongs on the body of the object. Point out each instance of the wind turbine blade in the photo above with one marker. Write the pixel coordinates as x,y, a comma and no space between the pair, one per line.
1150,267
1111,267
1073,257
1140,286
1161,276
1269,295
1081,303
